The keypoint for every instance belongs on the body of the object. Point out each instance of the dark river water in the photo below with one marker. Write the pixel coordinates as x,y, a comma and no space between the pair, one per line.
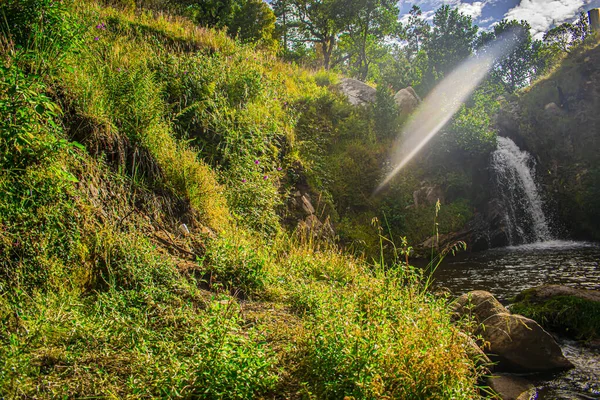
507,271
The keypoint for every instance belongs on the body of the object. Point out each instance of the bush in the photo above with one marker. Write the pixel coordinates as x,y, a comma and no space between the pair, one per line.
374,343
234,265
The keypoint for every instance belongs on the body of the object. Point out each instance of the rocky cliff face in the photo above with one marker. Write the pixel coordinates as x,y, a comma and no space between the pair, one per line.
558,120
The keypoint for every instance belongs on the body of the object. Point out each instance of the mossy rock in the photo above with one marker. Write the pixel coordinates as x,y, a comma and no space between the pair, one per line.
574,313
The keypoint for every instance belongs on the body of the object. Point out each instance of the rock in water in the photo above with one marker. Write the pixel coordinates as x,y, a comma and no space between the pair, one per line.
511,387
519,344
357,92
480,303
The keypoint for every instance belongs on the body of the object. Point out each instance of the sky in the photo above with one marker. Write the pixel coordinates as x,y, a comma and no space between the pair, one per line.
542,15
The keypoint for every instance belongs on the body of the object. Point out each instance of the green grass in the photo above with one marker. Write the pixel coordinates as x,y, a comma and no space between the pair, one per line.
156,124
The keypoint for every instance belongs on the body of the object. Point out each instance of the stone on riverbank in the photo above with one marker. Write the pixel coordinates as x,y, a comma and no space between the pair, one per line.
572,312
520,344
516,343
511,387
479,303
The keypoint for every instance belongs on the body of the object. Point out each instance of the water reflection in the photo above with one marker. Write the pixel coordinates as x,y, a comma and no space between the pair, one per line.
507,271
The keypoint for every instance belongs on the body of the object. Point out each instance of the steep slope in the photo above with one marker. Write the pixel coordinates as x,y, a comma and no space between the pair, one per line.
144,165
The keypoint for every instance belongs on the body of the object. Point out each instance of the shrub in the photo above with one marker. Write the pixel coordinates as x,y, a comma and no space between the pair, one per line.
235,265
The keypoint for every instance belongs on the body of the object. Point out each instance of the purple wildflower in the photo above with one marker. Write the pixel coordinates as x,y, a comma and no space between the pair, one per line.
279,168
266,177
118,69
96,39
243,180
256,162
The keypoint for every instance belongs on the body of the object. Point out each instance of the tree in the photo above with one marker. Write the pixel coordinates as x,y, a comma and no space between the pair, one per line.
214,13
255,23
517,68
451,41
369,22
416,32
567,35
320,22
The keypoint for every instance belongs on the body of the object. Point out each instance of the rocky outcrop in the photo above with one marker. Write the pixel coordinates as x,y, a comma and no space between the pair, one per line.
557,120
313,227
407,100
511,387
428,195
357,92
516,343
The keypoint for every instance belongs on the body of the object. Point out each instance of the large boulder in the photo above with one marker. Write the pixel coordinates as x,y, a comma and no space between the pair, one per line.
357,92
569,311
479,303
407,100
519,344
511,387
546,292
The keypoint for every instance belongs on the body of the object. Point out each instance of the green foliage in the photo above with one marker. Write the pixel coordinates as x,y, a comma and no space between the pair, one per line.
386,112
450,42
360,345
147,343
214,13
518,68
103,290
39,236
30,130
254,23
235,265
567,35
38,24
472,130
572,316
451,218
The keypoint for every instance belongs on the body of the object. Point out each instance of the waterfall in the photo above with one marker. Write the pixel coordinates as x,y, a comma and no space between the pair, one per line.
523,208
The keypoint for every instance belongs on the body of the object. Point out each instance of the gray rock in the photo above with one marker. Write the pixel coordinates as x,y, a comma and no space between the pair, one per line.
552,109
307,206
428,195
407,100
313,227
357,92
511,387
519,344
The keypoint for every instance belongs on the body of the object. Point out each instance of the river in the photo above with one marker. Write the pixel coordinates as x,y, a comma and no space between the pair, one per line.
507,271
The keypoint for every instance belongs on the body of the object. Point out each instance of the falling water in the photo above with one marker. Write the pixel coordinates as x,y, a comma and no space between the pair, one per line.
523,207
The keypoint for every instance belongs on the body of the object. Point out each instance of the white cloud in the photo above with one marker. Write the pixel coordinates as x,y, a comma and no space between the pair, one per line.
544,14
474,9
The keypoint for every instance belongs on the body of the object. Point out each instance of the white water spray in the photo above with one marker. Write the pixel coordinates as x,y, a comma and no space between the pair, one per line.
523,211
443,102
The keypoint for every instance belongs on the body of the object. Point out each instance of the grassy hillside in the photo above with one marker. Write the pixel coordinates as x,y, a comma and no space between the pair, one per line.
145,166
